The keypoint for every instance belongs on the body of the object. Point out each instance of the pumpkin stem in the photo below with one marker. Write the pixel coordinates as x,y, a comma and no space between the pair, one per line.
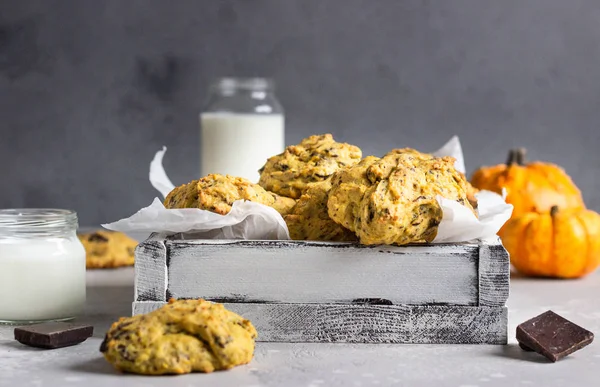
553,210
516,156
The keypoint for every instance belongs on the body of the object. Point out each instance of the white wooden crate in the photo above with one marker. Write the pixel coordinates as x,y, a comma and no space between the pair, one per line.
295,291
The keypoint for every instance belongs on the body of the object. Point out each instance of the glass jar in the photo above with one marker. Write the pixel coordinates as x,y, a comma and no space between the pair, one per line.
42,266
242,125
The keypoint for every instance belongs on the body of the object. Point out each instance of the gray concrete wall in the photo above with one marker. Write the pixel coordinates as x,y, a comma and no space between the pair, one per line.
90,90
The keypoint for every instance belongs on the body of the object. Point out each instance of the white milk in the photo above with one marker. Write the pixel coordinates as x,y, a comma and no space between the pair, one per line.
239,144
41,279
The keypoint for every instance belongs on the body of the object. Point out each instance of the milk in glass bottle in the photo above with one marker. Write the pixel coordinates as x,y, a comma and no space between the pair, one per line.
242,125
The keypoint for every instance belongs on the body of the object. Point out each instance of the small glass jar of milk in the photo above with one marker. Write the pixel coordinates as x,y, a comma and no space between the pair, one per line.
42,266
242,125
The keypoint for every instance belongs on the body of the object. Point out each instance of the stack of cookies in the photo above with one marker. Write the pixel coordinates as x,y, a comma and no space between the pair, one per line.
326,191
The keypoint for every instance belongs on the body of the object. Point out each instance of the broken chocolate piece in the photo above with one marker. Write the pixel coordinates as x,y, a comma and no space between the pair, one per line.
53,335
552,336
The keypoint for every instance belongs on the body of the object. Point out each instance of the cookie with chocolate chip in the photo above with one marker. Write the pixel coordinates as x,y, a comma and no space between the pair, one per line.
315,159
393,200
107,249
309,220
181,337
217,193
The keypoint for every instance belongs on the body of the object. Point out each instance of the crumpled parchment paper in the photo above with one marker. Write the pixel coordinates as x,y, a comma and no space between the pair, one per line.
249,220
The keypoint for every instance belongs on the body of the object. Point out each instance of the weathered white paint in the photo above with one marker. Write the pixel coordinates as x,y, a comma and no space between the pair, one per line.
416,324
151,269
336,292
494,274
299,273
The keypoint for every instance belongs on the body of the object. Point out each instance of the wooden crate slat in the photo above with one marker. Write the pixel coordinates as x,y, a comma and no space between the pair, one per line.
354,323
151,269
307,272
296,291
494,274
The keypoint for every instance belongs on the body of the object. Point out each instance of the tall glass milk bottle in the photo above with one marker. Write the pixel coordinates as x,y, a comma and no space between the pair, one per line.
242,125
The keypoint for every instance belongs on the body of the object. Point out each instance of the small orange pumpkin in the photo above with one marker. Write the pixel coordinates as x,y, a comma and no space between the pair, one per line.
557,243
530,187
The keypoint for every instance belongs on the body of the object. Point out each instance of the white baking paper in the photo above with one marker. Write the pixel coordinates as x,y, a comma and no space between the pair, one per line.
459,224
158,176
249,220
246,220
452,148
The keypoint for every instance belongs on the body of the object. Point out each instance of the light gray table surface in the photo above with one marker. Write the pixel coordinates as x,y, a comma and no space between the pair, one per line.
110,293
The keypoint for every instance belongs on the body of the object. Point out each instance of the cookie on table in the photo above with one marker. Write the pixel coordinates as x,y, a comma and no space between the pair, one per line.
217,193
393,200
309,219
315,159
181,337
107,249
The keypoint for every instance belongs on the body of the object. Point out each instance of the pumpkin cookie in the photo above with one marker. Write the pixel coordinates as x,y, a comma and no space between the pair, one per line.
107,249
393,200
315,159
282,204
348,187
181,337
309,219
217,193
390,160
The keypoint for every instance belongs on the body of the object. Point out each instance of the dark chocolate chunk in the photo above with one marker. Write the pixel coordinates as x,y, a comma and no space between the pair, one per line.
552,336
53,335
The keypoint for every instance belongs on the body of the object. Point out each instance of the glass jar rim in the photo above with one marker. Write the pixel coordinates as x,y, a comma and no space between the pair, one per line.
238,83
43,219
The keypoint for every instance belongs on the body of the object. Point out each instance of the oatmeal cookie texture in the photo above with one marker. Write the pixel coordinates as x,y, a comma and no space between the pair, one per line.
309,219
107,249
282,204
315,159
392,200
181,337
217,193
348,186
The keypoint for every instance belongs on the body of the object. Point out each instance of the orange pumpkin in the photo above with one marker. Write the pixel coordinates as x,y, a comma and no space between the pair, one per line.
557,243
530,187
